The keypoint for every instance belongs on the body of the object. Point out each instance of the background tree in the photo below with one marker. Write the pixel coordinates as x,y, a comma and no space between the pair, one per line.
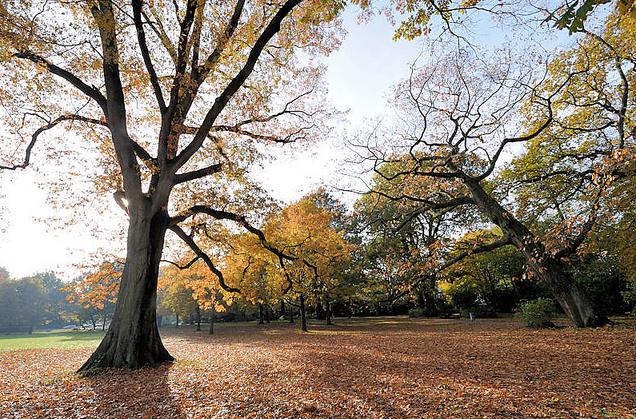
96,292
22,304
403,236
490,282
461,118
175,295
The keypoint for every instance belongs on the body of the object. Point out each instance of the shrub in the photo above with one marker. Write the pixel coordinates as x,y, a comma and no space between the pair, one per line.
537,313
417,312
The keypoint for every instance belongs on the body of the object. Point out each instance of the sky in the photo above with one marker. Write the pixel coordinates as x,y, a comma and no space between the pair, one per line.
359,77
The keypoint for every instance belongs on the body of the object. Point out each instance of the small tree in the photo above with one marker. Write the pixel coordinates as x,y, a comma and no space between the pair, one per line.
96,292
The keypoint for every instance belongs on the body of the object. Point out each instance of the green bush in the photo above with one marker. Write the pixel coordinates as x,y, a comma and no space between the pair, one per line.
417,312
537,313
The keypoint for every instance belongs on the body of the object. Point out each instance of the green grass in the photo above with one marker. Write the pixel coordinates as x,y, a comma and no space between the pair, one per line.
63,339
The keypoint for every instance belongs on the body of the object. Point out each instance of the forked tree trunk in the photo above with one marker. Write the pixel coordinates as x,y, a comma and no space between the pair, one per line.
133,340
553,272
303,314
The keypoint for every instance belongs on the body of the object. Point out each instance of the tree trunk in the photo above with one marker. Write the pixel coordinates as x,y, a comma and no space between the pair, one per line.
328,311
303,314
320,311
291,313
211,332
132,339
570,297
177,320
104,322
282,309
426,300
268,314
553,272
261,314
198,318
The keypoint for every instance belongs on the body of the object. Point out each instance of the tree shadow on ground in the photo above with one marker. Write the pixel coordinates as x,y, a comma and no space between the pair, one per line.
144,392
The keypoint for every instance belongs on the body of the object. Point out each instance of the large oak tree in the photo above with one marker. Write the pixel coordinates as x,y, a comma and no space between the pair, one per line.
159,99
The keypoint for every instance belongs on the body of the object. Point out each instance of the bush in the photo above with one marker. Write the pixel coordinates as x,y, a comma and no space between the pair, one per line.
537,313
417,312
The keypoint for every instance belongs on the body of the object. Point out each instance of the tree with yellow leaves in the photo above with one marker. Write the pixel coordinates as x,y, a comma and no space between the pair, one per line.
310,230
159,100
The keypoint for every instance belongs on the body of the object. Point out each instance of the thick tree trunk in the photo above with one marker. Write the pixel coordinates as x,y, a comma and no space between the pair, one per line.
291,313
426,301
554,273
303,314
132,339
268,313
570,297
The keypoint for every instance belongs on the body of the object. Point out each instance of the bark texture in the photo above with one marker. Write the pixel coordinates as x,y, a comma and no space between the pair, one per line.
133,340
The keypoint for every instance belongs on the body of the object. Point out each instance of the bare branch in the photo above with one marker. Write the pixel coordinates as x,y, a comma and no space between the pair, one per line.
46,127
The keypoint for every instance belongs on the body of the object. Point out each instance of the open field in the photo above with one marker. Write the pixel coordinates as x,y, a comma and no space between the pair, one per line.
378,367
55,339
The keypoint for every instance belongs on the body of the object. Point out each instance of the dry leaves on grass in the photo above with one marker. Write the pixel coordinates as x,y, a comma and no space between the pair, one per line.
371,368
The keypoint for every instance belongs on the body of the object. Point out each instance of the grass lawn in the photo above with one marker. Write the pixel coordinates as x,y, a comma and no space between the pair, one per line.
63,339
379,367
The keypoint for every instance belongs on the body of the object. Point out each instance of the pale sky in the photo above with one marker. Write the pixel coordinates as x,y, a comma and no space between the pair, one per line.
360,75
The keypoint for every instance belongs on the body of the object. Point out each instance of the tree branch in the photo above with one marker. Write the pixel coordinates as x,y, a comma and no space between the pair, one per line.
89,91
145,53
197,174
221,101
201,254
48,126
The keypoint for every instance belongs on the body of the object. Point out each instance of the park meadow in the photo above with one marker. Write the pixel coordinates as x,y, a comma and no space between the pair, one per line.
363,367
317,208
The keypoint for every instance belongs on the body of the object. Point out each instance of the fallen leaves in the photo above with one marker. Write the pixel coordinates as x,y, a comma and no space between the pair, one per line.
361,368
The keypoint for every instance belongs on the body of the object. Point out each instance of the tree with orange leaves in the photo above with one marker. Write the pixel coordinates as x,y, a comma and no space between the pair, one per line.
96,292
